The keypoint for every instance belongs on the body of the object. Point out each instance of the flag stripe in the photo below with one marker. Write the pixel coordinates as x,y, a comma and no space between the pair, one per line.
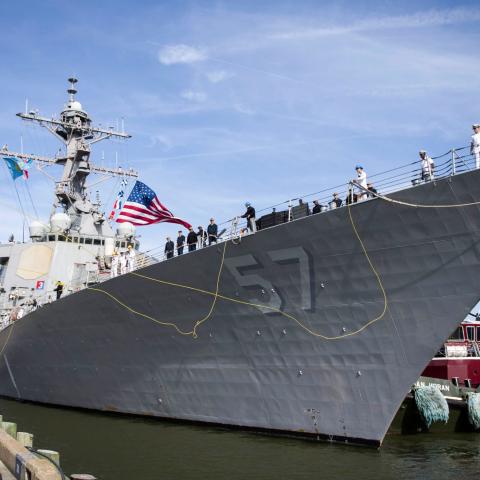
121,219
143,208
139,209
147,218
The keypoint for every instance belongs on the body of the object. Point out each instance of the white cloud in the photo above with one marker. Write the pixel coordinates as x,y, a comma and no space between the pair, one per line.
218,76
240,108
181,53
430,18
141,104
162,141
194,96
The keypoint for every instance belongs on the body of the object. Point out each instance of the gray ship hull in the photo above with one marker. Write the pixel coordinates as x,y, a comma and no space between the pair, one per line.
301,339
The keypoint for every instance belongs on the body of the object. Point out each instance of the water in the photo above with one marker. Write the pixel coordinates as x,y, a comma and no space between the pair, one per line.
128,448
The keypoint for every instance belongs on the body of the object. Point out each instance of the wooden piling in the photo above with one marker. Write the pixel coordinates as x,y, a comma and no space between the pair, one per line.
15,457
24,438
10,428
11,452
51,454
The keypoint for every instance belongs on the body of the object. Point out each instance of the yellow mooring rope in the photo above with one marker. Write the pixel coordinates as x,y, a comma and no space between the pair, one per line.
216,296
7,339
192,332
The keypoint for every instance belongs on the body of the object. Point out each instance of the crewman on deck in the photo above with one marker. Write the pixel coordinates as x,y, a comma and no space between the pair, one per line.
427,166
372,191
201,237
212,231
361,181
114,265
180,242
475,145
336,201
250,216
123,263
191,240
59,289
316,207
130,258
169,248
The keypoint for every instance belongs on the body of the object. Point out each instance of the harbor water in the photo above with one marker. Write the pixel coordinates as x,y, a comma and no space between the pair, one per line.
116,447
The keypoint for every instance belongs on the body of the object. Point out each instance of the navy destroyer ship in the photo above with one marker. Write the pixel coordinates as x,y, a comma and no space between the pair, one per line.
315,325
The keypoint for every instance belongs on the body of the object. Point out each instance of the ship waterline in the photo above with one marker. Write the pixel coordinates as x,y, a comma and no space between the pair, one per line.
305,328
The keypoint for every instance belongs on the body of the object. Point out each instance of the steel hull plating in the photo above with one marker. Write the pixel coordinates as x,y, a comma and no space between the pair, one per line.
251,365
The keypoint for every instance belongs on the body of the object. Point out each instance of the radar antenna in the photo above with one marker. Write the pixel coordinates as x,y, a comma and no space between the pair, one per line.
75,130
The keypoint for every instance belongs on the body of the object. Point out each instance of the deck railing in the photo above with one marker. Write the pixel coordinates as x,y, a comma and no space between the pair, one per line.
453,162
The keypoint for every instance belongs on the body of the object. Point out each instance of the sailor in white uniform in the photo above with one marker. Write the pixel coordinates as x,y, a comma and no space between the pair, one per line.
123,263
361,181
130,259
427,166
114,266
475,145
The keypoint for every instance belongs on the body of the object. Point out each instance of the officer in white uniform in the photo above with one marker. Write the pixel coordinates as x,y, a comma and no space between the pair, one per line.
475,145
131,259
114,266
361,180
427,166
123,263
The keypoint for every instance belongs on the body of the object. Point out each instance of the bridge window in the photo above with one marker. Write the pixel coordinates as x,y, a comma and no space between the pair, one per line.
478,334
471,333
88,241
96,241
51,238
457,334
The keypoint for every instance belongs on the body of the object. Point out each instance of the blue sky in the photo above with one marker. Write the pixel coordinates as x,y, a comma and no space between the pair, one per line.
236,101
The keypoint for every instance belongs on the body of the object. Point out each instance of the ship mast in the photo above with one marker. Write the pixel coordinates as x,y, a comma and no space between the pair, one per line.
74,129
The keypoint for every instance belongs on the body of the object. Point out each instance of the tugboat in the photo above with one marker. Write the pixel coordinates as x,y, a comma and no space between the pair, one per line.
454,372
314,326
458,359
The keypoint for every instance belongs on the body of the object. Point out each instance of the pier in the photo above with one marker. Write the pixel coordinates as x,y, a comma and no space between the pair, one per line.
20,461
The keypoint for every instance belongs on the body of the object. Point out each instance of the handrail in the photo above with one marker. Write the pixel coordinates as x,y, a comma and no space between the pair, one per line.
403,177
392,180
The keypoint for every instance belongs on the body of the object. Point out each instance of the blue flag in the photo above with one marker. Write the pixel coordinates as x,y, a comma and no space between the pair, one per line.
15,169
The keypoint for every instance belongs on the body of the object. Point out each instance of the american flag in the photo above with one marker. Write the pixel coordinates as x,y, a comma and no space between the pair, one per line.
143,208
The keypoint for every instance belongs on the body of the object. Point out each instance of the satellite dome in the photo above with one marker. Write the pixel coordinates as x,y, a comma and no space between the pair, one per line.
74,105
126,229
37,229
59,222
